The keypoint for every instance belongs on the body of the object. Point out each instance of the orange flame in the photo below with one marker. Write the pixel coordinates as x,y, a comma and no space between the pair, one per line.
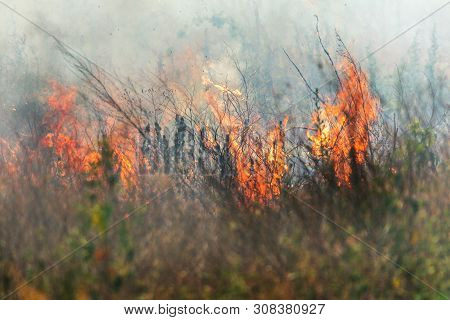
342,128
63,126
260,163
74,153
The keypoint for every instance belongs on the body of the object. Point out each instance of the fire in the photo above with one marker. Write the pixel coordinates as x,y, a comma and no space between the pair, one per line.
125,153
63,127
260,164
258,154
224,89
341,128
75,152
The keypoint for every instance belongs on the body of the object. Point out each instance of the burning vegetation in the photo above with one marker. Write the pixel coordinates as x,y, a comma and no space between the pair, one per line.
342,126
248,190
63,137
72,142
217,134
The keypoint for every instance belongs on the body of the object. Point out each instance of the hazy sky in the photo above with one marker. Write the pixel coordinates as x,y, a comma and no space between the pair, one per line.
127,35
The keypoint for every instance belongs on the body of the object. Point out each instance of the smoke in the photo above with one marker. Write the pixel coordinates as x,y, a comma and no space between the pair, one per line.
123,35
135,39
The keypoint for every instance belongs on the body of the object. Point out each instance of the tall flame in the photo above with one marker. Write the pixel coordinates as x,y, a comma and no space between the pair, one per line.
342,128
